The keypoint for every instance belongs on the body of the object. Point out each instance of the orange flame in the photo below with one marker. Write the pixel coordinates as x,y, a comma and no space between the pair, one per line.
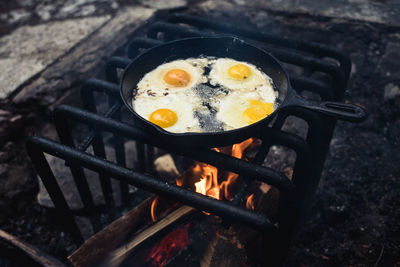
208,184
153,209
207,176
250,202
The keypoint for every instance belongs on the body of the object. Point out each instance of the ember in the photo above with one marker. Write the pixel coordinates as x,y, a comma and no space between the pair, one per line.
168,247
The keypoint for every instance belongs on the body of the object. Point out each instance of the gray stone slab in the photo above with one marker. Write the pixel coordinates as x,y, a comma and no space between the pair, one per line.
386,12
85,60
162,4
30,49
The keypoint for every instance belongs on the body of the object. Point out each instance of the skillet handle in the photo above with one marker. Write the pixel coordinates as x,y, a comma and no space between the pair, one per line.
337,110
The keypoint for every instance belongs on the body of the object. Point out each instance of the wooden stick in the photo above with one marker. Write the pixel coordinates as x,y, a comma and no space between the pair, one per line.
37,257
100,244
119,255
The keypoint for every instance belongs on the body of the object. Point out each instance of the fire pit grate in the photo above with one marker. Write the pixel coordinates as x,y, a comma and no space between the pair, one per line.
324,73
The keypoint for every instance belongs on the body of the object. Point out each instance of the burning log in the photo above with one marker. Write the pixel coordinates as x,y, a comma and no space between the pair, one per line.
119,255
221,244
224,250
110,237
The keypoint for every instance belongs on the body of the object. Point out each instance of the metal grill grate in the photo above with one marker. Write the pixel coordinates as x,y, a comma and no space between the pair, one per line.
295,194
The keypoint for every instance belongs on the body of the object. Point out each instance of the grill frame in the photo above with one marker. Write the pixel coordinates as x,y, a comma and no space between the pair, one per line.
295,194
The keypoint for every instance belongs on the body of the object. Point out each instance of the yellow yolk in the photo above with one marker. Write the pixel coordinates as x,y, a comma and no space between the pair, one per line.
239,72
257,111
177,77
163,117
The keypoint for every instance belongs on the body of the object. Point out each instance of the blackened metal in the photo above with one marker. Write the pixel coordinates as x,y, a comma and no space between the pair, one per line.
98,149
141,154
286,56
139,43
52,187
314,48
79,176
180,194
119,149
89,139
113,65
267,175
310,153
111,89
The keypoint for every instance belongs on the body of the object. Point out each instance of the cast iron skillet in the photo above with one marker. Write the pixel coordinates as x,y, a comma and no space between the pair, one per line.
224,47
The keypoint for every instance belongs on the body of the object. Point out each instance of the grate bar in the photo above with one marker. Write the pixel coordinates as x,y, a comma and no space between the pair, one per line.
113,65
311,47
140,43
338,78
53,189
264,174
201,202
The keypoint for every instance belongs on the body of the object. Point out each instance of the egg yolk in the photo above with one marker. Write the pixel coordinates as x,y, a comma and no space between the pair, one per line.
163,117
239,72
177,77
257,111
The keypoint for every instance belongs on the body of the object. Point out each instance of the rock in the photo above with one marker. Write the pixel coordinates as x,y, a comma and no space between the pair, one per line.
18,15
81,8
86,11
45,11
389,63
30,49
371,11
161,4
84,61
391,91
16,187
336,214
25,3
7,152
9,124
260,19
357,61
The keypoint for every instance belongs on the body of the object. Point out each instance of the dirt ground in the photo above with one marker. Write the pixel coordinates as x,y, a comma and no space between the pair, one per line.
355,220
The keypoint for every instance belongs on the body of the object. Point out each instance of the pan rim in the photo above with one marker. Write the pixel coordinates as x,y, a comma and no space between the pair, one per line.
266,120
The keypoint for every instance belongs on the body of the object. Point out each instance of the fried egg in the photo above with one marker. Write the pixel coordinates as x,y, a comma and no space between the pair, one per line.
204,94
173,112
241,109
172,77
237,75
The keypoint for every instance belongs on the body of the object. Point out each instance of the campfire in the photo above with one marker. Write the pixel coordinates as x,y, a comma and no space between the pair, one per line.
246,200
202,178
206,180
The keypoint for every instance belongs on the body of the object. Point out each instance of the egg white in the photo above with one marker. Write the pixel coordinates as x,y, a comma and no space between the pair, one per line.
231,108
153,84
230,102
219,76
181,105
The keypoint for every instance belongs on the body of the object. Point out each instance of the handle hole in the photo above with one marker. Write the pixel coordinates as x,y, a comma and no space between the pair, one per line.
341,107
